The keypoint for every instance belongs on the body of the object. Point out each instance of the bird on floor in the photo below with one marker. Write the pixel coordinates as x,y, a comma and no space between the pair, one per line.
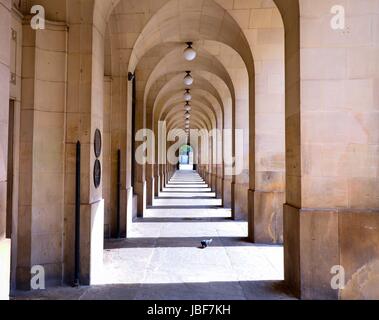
206,243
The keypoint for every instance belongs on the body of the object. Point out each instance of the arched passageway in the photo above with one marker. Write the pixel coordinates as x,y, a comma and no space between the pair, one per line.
186,158
278,106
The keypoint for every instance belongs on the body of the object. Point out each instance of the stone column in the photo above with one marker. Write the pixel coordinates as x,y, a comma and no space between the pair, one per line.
229,153
150,184
5,45
84,116
219,177
140,169
332,212
42,137
241,179
121,139
157,180
209,164
268,185
219,161
109,165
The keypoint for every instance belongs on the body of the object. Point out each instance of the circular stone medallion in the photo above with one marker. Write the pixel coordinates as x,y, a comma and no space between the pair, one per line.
97,174
98,143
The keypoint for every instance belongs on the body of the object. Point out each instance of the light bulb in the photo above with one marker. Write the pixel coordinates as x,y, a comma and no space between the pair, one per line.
188,80
187,95
189,53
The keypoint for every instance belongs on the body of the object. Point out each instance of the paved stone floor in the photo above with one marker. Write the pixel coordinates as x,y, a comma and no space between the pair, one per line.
162,258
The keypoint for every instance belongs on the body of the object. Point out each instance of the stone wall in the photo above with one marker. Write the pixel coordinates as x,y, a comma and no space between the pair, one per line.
5,60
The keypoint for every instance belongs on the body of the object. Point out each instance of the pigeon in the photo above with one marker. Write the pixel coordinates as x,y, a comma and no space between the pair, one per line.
206,243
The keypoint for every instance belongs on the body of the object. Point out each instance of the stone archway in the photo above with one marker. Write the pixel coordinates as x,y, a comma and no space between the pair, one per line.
330,105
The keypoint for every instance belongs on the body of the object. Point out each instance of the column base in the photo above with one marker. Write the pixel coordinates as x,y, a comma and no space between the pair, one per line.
134,206
150,191
227,193
267,216
220,188
126,211
240,196
156,186
162,182
315,241
214,182
140,190
91,248
92,243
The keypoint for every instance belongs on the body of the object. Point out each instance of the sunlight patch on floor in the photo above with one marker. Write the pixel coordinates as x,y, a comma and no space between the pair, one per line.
193,265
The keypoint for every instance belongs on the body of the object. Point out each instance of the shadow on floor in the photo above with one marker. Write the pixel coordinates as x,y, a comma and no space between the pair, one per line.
244,290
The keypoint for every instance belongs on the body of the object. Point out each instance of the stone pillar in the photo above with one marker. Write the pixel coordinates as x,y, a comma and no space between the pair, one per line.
227,183
15,95
115,139
149,188
162,177
5,49
268,183
140,169
220,181
215,146
150,184
121,139
241,178
240,192
219,168
109,165
42,175
157,180
84,116
332,212
167,166
214,178
209,163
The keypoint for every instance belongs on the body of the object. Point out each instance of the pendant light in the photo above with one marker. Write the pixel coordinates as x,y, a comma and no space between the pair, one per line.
189,53
188,80
187,95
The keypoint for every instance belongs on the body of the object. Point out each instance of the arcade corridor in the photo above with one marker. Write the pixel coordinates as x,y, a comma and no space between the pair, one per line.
163,260
273,103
